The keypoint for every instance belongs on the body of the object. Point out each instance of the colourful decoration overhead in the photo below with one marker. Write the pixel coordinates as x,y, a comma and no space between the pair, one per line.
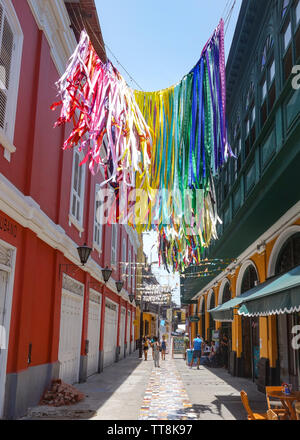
96,98
188,127
168,143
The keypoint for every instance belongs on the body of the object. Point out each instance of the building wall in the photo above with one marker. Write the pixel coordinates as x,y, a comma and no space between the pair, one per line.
274,239
35,188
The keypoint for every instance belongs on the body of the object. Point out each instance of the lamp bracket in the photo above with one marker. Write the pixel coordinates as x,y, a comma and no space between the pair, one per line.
69,269
93,284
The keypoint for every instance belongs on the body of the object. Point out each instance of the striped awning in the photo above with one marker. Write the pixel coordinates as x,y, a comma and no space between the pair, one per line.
280,294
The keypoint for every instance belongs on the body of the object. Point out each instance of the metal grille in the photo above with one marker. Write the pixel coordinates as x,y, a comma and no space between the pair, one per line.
6,53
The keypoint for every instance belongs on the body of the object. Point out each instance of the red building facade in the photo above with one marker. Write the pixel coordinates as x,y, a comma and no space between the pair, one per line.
56,319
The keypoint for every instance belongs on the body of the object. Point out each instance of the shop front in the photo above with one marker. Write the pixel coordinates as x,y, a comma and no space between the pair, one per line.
280,297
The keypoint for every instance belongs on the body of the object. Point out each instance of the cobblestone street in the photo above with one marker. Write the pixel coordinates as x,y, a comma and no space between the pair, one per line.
134,390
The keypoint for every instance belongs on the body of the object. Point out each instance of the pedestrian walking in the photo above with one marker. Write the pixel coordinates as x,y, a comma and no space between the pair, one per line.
152,339
156,347
224,350
186,344
163,348
197,344
146,347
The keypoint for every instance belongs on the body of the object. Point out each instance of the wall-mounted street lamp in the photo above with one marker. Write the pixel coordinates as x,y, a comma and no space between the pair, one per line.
84,254
119,285
131,297
106,274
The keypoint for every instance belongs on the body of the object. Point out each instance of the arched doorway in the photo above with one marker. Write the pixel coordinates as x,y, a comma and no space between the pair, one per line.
211,322
226,327
250,328
289,359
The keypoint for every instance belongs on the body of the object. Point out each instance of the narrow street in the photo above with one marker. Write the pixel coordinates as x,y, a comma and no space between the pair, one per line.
134,390
149,197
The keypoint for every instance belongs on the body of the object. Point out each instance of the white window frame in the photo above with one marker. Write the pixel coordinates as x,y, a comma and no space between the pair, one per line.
98,225
129,269
7,134
72,219
124,265
133,275
114,241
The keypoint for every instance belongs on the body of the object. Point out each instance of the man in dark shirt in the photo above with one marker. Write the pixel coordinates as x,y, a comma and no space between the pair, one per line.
197,345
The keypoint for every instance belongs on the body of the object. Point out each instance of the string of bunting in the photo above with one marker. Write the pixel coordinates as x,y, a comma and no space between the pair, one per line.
169,144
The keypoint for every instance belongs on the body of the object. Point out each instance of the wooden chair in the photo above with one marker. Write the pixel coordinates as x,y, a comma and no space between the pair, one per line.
278,410
251,414
272,415
297,409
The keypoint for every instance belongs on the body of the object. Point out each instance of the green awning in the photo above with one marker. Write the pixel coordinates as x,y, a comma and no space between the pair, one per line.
282,295
224,312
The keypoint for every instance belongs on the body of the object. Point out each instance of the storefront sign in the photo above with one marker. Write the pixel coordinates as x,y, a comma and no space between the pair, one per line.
215,335
194,318
178,345
8,226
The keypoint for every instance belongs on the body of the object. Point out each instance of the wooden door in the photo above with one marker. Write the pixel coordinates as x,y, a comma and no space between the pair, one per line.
247,355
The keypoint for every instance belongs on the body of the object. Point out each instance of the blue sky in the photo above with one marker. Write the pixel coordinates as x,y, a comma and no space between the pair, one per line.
158,42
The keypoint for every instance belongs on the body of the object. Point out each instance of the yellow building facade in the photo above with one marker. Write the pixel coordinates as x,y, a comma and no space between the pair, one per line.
271,354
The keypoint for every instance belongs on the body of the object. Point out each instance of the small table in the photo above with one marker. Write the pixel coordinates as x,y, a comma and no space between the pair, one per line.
287,401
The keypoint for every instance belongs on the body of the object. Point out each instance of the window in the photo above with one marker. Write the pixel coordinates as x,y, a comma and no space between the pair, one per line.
249,279
297,9
297,30
124,265
133,275
289,256
285,6
250,131
225,181
226,293
11,40
237,148
129,269
290,35
77,192
114,240
267,83
98,221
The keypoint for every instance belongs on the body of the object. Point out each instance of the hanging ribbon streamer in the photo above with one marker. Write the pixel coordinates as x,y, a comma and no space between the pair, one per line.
169,144
108,125
188,127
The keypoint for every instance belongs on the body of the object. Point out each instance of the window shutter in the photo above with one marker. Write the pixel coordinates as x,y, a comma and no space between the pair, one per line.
6,54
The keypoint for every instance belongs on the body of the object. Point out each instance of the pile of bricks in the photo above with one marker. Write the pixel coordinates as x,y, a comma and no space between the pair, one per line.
60,394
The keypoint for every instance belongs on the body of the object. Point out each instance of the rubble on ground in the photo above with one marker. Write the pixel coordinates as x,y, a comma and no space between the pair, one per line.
61,394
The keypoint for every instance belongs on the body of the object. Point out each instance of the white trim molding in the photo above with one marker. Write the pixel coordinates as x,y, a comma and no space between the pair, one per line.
241,274
283,237
52,18
209,295
7,134
201,304
9,254
221,290
133,237
287,220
